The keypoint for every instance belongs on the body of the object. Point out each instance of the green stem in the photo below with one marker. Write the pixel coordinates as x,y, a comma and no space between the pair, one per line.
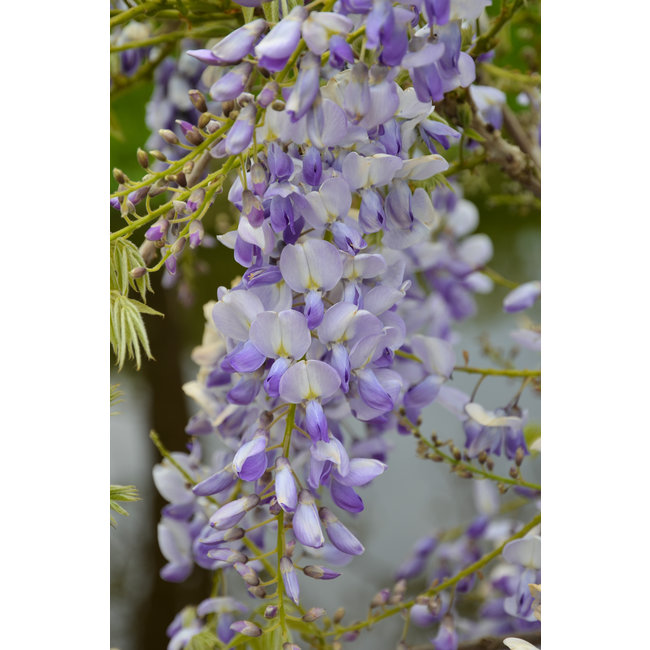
472,568
125,16
462,465
498,372
178,165
209,30
286,445
484,42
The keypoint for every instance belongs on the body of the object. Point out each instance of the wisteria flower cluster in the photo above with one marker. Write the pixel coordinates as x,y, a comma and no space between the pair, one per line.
358,258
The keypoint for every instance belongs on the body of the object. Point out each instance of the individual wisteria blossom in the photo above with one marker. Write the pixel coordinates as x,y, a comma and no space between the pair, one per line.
358,258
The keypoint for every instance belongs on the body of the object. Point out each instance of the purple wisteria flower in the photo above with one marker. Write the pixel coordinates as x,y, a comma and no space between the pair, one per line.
357,263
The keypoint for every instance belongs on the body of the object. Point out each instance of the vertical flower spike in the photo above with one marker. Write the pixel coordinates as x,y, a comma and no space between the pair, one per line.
306,526
290,579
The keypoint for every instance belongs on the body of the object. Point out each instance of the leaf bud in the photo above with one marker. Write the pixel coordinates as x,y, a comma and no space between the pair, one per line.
168,136
198,100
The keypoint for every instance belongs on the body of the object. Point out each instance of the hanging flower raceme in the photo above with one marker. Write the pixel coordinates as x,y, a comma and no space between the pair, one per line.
341,224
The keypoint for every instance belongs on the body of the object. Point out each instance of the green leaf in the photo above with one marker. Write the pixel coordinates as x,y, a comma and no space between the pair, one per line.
122,493
125,256
470,133
128,333
204,640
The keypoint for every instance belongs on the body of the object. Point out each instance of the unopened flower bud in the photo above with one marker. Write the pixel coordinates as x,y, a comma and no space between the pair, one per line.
519,456
246,628
196,234
233,534
204,120
268,94
290,646
168,136
148,251
158,188
257,592
188,167
138,272
274,507
227,555
380,598
320,572
178,245
194,137
278,105
259,178
313,614
248,574
338,615
198,100
180,179
158,155
120,176
227,107
158,231
271,611
143,158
